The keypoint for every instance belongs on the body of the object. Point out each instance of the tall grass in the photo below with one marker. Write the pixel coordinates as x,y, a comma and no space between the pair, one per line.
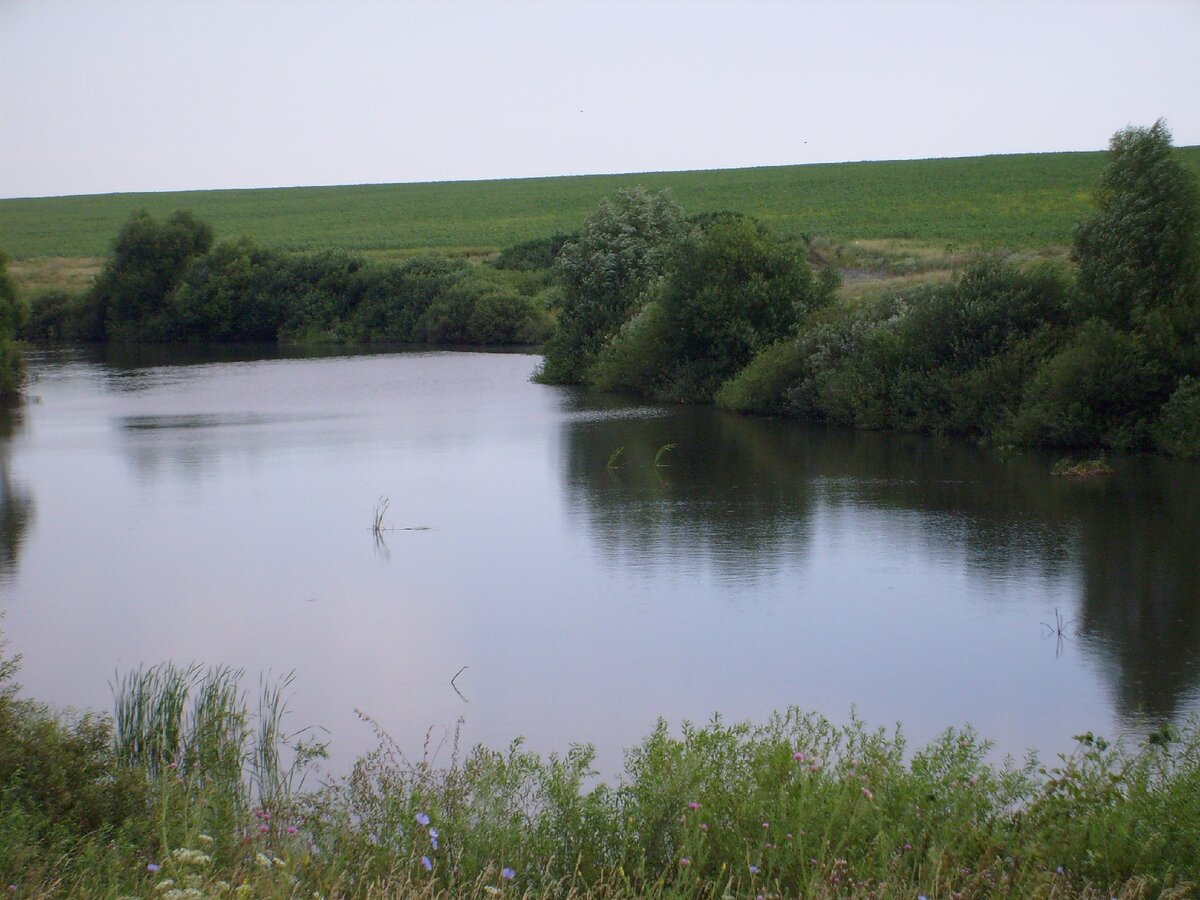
798,806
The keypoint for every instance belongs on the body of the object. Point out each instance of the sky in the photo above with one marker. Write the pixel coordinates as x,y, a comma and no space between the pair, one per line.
102,96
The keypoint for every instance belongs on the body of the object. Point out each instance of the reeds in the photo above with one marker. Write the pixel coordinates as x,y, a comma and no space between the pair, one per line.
196,723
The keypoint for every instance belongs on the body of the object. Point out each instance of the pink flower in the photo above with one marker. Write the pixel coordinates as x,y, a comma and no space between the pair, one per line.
693,806
766,824
264,828
704,826
685,862
798,756
867,793
291,829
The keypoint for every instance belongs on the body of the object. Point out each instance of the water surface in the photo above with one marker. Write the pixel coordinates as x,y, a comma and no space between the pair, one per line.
219,509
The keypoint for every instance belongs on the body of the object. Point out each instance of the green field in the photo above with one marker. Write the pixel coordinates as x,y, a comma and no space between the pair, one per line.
1019,202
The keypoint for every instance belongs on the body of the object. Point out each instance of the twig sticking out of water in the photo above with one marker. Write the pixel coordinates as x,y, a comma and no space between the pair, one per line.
662,451
1058,629
614,459
455,686
380,511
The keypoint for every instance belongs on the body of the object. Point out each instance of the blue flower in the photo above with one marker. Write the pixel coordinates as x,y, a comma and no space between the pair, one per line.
754,870
426,863
151,867
507,874
422,818
433,836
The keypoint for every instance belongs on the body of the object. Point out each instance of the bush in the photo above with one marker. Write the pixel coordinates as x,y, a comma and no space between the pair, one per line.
635,359
761,386
147,261
12,364
622,248
1141,250
731,291
1178,429
1101,389
58,779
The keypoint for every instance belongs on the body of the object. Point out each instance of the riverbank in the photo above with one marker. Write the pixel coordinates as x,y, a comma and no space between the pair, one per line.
184,795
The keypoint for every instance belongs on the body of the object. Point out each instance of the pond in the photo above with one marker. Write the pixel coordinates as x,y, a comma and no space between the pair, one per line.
219,509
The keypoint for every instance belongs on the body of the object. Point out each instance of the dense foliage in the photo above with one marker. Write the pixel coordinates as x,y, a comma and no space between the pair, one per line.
1034,357
12,365
166,282
622,248
730,290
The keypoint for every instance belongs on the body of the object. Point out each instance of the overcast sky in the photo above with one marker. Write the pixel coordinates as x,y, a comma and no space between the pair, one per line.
99,96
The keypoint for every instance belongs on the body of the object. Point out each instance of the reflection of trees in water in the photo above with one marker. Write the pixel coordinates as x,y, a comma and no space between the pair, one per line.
1141,603
743,491
724,496
16,503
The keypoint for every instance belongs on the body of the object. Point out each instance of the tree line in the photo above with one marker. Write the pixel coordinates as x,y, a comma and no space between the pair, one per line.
716,309
167,281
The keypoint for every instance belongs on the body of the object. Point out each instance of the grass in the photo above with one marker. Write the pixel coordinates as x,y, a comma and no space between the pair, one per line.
795,806
1017,201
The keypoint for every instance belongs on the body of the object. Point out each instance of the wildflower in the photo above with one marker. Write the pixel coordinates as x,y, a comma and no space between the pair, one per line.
693,806
704,826
866,792
262,860
814,767
422,818
798,756
754,870
204,839
684,861
291,829
972,781
426,863
766,824
433,836
264,828
151,868
1059,870
507,874
187,857
908,846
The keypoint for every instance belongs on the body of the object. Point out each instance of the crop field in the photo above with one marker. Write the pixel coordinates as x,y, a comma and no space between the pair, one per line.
1018,202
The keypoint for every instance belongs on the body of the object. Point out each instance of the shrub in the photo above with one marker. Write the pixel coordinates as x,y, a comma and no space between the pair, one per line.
1141,250
760,387
147,261
1178,428
731,291
12,365
622,247
1101,389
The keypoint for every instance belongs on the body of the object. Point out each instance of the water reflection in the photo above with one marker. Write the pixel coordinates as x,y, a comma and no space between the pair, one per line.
745,493
16,502
730,493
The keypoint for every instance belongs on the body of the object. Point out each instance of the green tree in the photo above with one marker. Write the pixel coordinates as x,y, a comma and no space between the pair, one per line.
1140,252
732,291
12,365
147,262
623,246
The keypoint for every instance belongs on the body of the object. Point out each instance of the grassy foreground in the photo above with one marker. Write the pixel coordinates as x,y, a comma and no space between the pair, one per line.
1016,201
184,793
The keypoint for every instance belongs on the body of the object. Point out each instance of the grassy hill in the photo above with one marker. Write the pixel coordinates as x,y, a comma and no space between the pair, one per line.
1018,201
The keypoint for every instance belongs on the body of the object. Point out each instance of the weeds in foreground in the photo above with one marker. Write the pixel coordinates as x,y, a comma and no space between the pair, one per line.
797,806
